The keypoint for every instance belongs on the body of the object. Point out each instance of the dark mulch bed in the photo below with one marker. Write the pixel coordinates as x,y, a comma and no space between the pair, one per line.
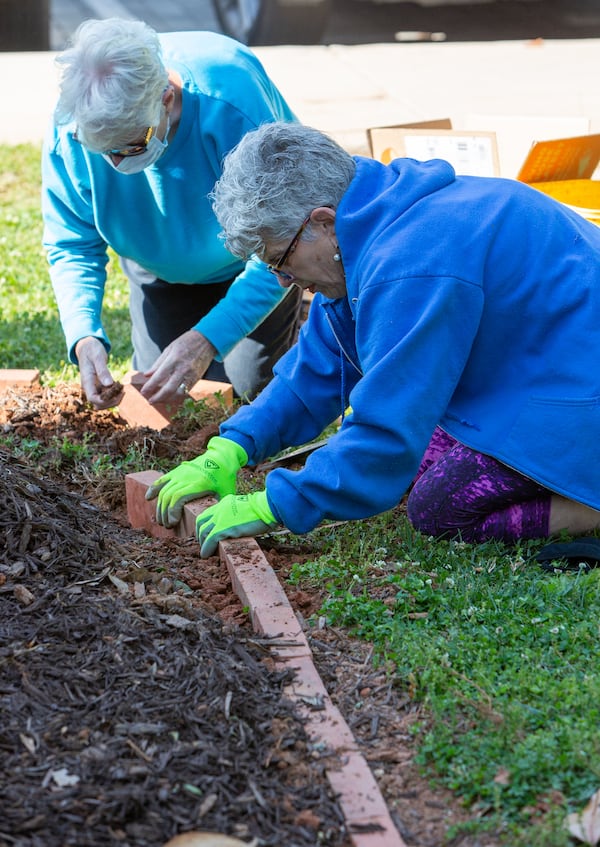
125,721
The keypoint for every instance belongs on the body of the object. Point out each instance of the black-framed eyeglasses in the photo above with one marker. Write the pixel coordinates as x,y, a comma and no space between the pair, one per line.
276,267
132,149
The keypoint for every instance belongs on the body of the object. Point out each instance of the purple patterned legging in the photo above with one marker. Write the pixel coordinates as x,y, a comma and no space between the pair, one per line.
459,492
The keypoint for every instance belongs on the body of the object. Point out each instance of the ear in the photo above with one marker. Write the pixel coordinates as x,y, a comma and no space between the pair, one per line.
323,216
168,97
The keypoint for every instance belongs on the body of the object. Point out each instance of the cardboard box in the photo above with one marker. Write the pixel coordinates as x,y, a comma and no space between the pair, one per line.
469,152
563,168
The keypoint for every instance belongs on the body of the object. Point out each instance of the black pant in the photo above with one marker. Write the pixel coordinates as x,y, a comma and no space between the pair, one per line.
162,311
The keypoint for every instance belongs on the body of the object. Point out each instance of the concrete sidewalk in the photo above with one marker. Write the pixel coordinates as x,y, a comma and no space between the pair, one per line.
524,91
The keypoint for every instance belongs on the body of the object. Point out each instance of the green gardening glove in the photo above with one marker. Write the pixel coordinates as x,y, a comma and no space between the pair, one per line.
214,472
235,516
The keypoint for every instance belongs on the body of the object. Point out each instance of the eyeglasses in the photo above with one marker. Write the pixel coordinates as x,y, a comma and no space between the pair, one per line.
276,267
134,149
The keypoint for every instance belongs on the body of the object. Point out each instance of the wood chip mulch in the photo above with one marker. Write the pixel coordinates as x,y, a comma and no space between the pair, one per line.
124,723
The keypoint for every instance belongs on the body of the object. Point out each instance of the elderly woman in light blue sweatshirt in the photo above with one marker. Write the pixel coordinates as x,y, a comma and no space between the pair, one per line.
141,128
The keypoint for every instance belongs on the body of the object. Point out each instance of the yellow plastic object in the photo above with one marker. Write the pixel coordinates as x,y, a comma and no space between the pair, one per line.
561,159
581,195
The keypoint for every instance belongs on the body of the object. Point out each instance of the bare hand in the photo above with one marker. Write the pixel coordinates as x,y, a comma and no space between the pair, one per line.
94,374
182,363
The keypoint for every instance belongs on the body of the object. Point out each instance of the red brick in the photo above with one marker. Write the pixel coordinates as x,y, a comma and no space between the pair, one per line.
388,836
18,378
256,584
137,411
358,790
362,804
141,513
307,684
329,726
186,528
209,389
324,721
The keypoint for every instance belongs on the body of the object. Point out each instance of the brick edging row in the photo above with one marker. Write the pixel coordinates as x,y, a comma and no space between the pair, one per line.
257,586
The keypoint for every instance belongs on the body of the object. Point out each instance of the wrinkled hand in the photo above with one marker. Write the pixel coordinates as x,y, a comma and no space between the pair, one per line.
234,517
94,374
183,362
214,472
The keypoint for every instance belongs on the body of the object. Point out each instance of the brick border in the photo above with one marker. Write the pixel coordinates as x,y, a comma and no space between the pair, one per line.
18,378
137,411
257,586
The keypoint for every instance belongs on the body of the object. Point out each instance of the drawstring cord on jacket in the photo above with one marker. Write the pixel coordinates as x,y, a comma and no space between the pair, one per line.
343,385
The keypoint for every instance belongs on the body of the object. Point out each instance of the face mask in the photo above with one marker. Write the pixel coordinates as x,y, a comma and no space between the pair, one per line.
152,153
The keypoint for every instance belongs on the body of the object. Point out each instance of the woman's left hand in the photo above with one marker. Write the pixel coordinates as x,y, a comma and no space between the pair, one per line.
179,367
235,516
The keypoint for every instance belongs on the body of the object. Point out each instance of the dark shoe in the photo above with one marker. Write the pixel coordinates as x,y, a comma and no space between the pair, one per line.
582,554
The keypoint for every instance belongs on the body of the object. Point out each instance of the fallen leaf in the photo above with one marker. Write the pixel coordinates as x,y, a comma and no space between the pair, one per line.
206,839
207,804
502,777
23,595
28,742
119,584
178,622
585,825
62,778
308,818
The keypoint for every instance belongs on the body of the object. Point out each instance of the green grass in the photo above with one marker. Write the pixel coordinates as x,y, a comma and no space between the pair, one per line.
501,655
30,332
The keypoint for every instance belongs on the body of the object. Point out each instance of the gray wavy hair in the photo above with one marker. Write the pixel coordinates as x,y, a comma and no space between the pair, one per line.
112,78
273,179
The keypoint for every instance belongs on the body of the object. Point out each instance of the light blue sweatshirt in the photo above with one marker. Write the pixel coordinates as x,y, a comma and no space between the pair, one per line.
162,217
473,303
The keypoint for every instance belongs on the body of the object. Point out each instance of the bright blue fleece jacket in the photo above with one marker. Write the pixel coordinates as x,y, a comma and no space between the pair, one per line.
162,217
473,303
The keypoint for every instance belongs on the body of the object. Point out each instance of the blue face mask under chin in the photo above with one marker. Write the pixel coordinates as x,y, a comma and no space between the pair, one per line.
152,153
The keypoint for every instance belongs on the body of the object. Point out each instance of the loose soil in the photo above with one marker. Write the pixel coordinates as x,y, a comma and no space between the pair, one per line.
135,701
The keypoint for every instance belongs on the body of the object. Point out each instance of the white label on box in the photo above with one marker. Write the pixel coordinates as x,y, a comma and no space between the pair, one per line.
468,154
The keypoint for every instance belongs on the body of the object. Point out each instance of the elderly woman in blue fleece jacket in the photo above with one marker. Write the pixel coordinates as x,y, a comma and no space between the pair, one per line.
141,128
455,316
